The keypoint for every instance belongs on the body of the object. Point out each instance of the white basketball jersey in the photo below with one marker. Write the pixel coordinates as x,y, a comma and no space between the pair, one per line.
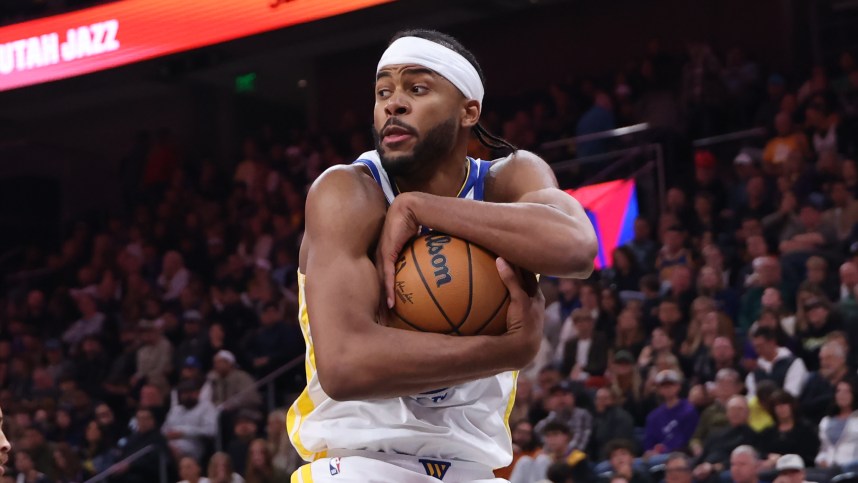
469,422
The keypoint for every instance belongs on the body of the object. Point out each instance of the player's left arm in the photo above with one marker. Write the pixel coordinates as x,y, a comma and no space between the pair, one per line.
526,219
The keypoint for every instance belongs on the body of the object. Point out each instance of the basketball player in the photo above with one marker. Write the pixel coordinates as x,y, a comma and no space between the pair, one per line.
5,447
372,410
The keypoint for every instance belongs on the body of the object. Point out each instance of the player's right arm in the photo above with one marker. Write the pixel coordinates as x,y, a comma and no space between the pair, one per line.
358,358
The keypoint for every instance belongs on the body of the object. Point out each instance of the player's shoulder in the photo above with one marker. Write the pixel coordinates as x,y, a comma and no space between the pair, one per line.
520,159
348,182
520,171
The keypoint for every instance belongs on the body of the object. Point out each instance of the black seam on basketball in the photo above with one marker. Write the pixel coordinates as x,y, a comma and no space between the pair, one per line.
470,287
492,317
429,291
406,321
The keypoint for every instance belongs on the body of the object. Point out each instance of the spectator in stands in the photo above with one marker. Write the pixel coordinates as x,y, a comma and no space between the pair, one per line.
610,422
244,431
190,471
145,468
220,470
557,438
816,274
91,366
153,399
621,459
557,311
715,455
710,282
848,281
760,406
586,354
27,472
809,232
561,404
629,335
660,343
643,246
524,443
844,213
259,467
96,454
775,363
227,381
174,276
790,434
714,417
766,274
283,454
677,469
818,394
791,469
193,343
599,118
625,273
625,380
275,342
744,464
838,432
772,300
670,426
154,357
819,321
91,322
787,141
192,424
672,253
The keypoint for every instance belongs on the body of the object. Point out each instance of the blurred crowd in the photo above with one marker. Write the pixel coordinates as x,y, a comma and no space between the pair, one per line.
716,346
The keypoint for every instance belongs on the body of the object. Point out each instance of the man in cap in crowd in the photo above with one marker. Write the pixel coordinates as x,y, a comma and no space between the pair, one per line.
561,404
228,381
790,468
670,426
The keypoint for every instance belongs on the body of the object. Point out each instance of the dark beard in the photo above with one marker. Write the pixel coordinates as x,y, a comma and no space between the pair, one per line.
437,142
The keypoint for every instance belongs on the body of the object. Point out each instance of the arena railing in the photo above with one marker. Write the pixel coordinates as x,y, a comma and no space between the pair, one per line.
754,133
596,136
115,468
268,382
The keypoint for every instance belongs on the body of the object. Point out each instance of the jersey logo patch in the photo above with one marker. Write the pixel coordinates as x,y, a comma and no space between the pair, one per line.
436,469
334,466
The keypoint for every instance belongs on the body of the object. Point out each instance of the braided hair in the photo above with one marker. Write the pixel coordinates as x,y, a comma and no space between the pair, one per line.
482,134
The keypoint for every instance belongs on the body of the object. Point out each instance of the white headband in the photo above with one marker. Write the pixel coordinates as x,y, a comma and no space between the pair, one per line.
446,62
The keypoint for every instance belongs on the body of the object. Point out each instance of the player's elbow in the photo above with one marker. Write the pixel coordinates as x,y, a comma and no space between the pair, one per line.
579,256
339,380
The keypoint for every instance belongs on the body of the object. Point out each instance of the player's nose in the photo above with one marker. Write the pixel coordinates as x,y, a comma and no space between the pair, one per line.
397,105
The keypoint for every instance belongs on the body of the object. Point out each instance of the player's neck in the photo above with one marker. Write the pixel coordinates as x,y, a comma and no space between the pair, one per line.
444,178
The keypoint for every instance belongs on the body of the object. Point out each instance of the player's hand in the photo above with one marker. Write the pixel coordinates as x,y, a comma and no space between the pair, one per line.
526,310
400,225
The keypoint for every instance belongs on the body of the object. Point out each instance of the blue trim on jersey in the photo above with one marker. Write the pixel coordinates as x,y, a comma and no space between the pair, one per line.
483,170
369,164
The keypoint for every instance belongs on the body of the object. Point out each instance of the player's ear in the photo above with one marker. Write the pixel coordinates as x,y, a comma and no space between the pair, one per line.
470,113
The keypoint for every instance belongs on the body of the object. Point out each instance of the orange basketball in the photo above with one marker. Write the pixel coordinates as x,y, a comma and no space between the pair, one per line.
449,286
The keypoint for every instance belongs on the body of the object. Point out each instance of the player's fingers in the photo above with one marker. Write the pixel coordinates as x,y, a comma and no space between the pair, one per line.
529,282
389,276
510,279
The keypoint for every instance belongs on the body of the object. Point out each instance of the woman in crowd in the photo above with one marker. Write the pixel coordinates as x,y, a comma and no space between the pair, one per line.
259,467
284,457
629,335
190,471
838,432
220,469
97,454
790,434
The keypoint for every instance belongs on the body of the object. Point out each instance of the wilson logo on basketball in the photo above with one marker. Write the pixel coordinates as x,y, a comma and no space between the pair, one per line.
436,244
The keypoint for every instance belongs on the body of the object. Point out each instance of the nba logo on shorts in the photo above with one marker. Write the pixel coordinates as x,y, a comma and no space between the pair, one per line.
435,468
334,466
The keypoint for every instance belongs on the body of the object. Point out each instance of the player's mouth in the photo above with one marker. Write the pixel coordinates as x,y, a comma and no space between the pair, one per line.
394,135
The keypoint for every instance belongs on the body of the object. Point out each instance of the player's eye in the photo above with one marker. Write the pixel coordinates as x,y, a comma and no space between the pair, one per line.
383,92
419,89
